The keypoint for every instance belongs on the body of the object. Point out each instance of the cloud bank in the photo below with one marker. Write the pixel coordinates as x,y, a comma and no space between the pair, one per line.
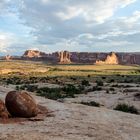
78,25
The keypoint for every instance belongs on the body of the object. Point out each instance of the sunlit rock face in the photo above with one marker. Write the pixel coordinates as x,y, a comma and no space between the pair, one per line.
8,57
33,53
111,59
64,57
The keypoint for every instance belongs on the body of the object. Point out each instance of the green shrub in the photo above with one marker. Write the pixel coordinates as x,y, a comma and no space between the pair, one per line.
88,76
99,83
50,93
126,108
103,77
70,90
67,91
92,103
85,83
111,80
111,89
96,88
107,91
17,88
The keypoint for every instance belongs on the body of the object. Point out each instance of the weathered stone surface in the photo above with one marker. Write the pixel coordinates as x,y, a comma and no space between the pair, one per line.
64,57
8,57
111,59
33,53
21,104
3,111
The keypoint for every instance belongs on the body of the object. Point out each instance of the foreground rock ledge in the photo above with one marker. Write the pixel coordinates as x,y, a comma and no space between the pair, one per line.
21,104
3,111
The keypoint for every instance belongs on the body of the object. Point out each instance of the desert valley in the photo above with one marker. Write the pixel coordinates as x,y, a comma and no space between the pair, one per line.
69,69
76,99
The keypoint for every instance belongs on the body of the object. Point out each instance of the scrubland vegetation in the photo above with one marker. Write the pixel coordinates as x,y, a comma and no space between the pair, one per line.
72,81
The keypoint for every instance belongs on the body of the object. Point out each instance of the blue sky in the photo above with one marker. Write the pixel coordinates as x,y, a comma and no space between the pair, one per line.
73,25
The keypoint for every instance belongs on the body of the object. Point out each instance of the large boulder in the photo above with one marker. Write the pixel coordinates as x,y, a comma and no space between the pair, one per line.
3,111
21,104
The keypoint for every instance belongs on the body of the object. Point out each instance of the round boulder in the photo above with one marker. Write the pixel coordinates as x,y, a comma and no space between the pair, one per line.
21,104
3,111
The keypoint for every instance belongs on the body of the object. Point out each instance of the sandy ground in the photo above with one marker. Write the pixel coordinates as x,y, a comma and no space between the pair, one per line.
71,121
110,100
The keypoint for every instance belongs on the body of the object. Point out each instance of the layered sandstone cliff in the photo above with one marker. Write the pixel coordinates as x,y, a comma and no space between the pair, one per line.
111,59
64,57
33,53
8,57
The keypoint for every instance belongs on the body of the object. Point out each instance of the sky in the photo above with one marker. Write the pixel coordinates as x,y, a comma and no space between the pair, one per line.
73,25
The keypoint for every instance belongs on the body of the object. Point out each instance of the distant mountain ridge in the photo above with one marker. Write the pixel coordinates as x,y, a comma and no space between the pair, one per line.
66,57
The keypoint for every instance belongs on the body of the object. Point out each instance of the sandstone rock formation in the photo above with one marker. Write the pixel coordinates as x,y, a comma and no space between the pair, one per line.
21,104
111,59
64,57
3,111
8,57
33,53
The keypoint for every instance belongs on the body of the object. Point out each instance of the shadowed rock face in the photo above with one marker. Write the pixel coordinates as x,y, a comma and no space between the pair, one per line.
21,104
3,111
111,59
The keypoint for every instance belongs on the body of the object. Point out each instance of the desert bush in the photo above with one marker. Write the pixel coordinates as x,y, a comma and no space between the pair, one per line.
99,83
137,95
126,108
92,103
111,89
107,91
103,77
50,93
67,91
30,88
88,76
116,85
70,90
111,81
81,87
17,88
122,86
85,83
73,78
127,80
96,88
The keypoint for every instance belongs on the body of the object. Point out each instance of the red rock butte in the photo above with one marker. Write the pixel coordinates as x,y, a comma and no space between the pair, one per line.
65,57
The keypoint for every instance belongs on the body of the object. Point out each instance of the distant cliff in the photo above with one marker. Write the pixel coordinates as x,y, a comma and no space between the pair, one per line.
33,53
65,57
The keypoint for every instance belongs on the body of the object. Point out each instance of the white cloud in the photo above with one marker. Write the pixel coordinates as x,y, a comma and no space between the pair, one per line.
6,40
64,24
131,21
93,11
